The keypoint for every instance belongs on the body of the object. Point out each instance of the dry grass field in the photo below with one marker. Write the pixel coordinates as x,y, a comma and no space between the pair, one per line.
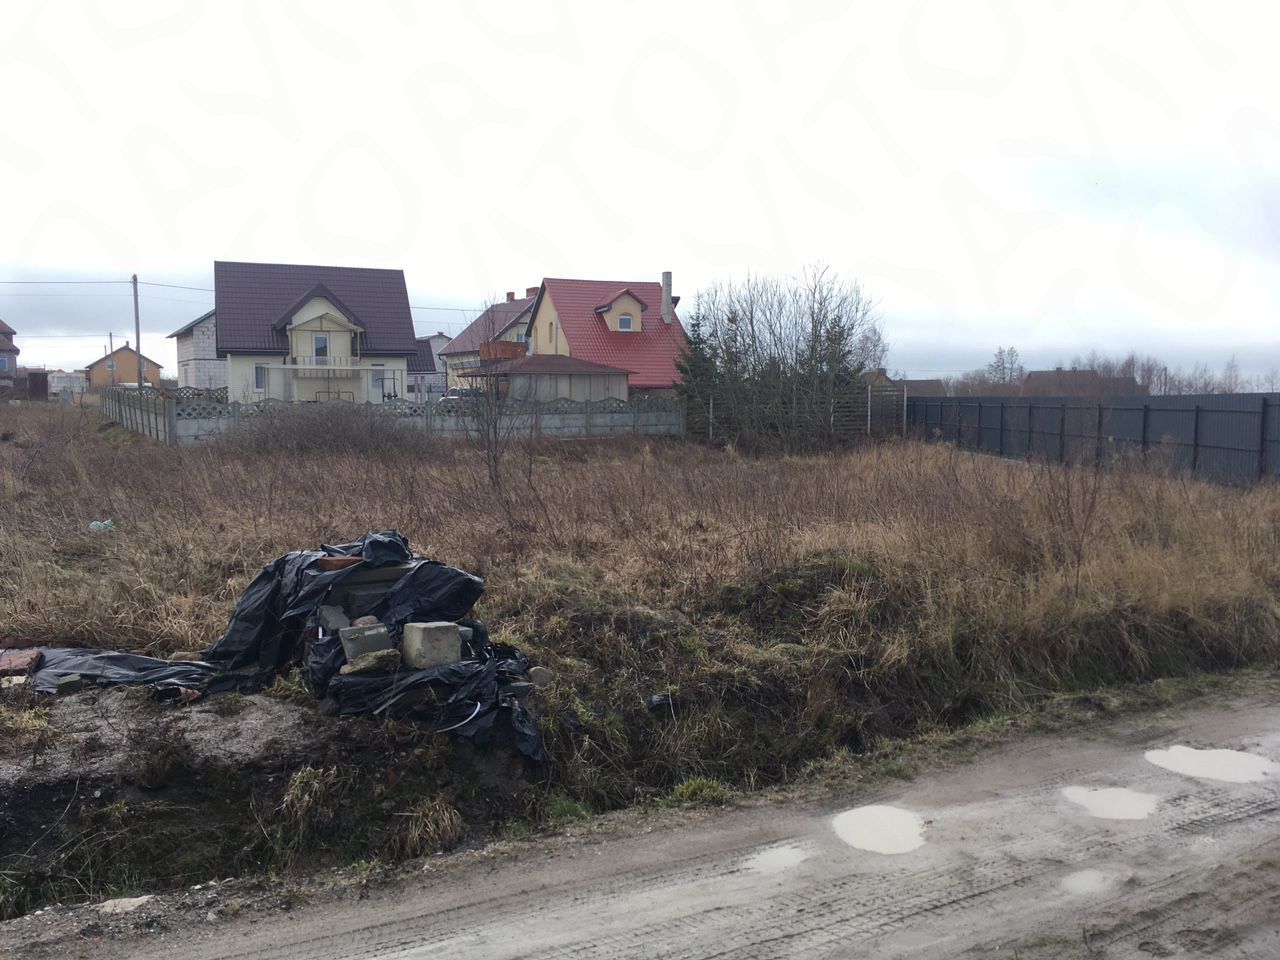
789,606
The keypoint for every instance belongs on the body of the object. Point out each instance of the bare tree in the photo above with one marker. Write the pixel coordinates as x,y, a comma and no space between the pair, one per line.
491,418
774,357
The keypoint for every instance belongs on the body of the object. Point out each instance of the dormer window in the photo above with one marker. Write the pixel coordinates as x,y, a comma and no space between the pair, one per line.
624,321
320,345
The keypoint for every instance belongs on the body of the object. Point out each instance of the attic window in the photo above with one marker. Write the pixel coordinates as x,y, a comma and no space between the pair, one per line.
624,321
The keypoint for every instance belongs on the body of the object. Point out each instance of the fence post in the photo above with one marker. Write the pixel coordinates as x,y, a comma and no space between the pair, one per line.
868,409
1097,438
171,420
711,419
1195,440
1146,419
1062,435
1031,419
1000,443
978,445
1262,441
904,412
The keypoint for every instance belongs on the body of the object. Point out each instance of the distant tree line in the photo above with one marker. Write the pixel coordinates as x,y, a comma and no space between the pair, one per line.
1145,371
770,360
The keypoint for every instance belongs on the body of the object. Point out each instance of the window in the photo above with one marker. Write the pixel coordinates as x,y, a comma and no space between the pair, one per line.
320,345
260,376
624,321
550,332
4,362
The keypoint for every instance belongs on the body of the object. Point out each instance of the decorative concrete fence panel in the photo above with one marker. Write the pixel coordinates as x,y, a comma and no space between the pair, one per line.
189,415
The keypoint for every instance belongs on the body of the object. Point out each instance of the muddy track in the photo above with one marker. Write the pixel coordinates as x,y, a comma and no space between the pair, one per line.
1007,864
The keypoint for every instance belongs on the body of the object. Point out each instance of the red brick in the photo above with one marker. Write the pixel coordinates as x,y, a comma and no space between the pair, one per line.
18,662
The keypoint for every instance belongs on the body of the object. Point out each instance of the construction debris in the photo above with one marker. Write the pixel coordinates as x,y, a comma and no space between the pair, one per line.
386,660
18,663
374,629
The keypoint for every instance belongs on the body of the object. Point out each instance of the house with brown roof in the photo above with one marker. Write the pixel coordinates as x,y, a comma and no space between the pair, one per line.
551,376
121,366
499,333
623,325
297,332
8,355
1085,384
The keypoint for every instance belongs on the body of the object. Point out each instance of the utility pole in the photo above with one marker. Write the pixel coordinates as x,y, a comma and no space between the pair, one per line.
111,362
137,331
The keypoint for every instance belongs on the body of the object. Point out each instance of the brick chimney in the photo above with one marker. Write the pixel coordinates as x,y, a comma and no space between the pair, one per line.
531,291
667,311
511,295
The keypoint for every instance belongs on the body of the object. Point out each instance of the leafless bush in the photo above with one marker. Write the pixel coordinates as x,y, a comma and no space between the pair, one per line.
328,429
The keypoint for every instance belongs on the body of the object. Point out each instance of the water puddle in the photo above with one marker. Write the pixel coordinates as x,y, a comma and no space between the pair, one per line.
1229,766
1086,883
775,859
880,829
1113,803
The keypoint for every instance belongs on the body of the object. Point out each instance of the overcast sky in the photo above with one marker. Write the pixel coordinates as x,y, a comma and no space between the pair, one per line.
1055,176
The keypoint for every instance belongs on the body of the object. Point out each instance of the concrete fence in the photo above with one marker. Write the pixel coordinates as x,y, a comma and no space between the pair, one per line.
188,415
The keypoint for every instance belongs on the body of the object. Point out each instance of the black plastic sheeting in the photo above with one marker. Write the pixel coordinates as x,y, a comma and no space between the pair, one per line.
97,668
267,631
268,619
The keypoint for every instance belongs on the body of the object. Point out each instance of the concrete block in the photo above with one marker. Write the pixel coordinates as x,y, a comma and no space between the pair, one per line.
332,618
361,640
431,644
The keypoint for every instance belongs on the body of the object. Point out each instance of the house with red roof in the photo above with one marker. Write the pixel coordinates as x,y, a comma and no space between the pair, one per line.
308,333
623,325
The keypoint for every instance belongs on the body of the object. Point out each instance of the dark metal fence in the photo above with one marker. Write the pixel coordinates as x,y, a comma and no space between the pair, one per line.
1231,438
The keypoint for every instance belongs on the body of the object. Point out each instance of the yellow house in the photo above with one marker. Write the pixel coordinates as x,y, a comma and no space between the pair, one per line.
312,333
121,366
625,325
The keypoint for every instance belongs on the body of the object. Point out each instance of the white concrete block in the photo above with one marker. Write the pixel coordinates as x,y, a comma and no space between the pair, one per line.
431,644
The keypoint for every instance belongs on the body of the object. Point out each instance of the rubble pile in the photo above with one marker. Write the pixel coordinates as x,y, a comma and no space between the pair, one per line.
374,627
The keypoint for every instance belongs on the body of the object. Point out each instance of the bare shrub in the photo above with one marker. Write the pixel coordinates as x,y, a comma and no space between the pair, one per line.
328,429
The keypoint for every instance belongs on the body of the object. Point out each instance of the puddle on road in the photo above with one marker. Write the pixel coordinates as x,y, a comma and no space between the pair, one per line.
1084,883
1113,803
880,829
1229,766
775,859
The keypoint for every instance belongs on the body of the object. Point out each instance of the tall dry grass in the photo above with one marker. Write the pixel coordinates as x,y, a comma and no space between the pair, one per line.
787,605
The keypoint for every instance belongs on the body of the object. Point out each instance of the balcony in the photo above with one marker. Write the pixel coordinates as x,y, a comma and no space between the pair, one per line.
327,367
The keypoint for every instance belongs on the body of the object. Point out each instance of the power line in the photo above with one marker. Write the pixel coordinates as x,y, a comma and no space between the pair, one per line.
57,282
62,336
174,286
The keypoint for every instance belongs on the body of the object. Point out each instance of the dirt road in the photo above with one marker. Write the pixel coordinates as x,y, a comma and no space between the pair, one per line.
1015,855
